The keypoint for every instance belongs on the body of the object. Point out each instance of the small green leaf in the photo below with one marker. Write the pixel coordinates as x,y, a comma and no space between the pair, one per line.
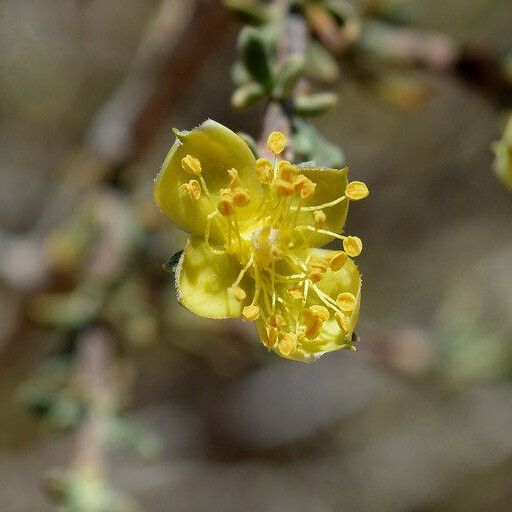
314,104
288,76
170,264
247,95
320,65
254,53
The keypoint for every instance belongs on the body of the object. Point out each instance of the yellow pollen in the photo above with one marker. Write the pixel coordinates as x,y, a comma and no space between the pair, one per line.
314,318
295,293
342,321
276,142
191,165
356,190
192,189
320,219
276,320
288,343
304,186
287,171
237,292
315,274
320,311
226,206
320,263
284,188
264,171
346,301
241,197
251,312
353,246
337,261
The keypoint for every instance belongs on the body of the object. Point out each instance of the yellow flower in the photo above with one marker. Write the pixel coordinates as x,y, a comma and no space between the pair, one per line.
255,231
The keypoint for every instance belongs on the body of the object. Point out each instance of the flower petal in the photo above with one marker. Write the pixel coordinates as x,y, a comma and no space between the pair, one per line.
330,185
203,279
218,149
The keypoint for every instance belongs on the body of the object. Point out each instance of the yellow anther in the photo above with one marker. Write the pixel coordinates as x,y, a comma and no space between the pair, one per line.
272,335
342,321
264,171
237,292
288,343
353,246
192,189
191,165
320,263
320,311
346,301
276,142
295,292
315,274
284,188
251,312
241,197
337,261
287,171
234,179
320,219
314,317
226,205
304,186
276,320
356,190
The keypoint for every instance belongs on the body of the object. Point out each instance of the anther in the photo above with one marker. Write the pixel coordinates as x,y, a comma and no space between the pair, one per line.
287,171
276,320
241,197
264,171
285,188
304,186
356,190
191,165
342,321
276,142
288,343
353,246
337,261
226,206
314,318
237,292
346,301
295,292
251,312
272,335
192,189
320,219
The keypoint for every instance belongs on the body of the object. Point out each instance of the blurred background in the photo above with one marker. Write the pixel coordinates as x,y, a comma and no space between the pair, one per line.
114,398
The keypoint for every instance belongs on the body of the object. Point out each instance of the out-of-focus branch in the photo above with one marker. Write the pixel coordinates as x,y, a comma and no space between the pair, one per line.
292,42
166,62
472,65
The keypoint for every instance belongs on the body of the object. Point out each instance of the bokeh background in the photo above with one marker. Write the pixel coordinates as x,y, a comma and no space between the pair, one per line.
418,420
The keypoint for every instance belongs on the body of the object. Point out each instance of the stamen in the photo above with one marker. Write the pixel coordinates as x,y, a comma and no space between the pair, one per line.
288,343
342,321
276,142
264,171
234,179
191,165
322,231
304,186
324,205
356,190
251,312
346,301
240,197
192,189
337,261
353,246
295,292
225,205
237,292
320,219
